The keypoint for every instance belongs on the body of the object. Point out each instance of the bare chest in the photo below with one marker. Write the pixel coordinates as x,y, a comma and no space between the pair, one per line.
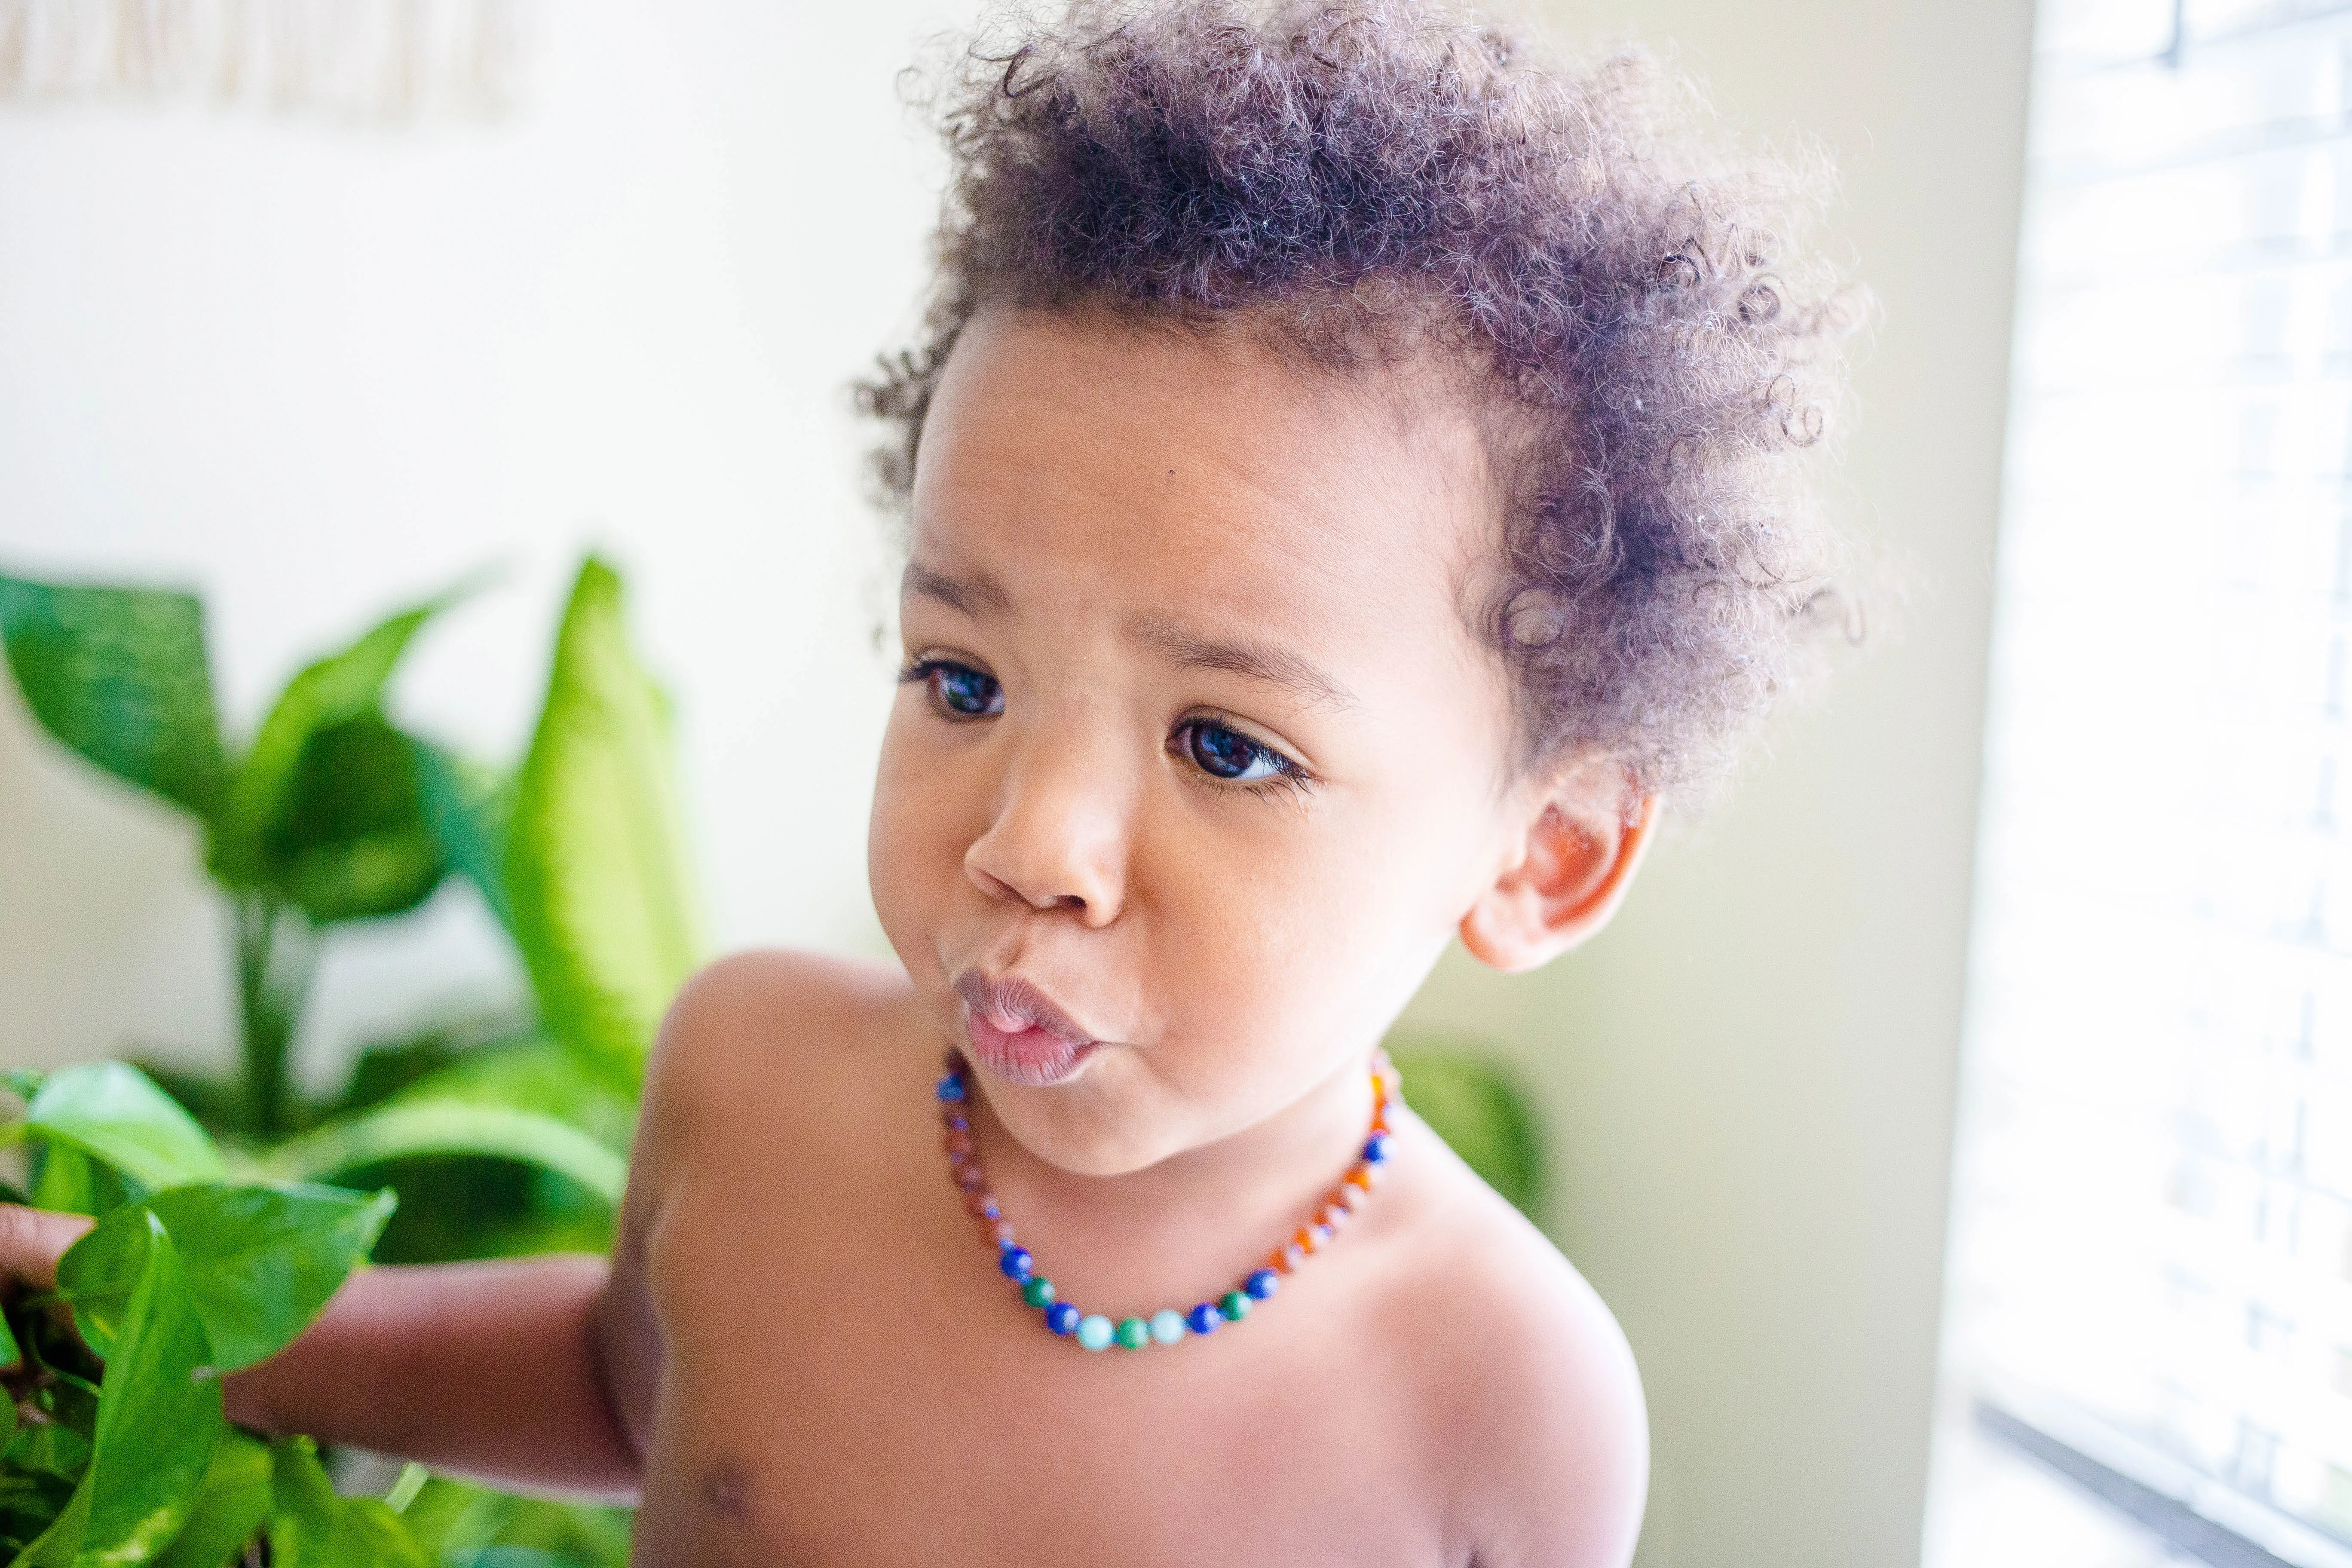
843,1391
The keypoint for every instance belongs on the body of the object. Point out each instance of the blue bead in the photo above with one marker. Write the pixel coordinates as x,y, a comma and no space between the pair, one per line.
1263,1283
1062,1318
1203,1319
950,1088
1016,1263
1376,1149
1095,1331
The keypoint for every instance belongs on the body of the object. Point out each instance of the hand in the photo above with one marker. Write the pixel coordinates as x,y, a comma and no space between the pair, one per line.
31,1242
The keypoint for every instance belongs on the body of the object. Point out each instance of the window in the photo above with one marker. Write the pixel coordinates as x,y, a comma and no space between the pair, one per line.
2152,1244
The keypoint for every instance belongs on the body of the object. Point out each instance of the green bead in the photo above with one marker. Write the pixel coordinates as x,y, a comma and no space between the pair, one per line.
1134,1333
1235,1306
1094,1332
1039,1291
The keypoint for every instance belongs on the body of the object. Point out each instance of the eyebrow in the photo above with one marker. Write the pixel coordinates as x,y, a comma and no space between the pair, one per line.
1274,665
976,595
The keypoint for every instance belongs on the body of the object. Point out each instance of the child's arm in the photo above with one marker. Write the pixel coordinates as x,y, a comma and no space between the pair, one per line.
494,1369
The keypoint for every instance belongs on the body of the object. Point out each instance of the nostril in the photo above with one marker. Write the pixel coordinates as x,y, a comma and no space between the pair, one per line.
1071,901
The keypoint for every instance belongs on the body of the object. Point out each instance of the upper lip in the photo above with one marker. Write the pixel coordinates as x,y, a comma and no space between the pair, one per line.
1012,1002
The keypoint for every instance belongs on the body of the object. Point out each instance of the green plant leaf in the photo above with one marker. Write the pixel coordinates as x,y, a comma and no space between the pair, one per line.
159,1417
70,1182
388,1068
9,1356
467,1206
469,807
114,1113
260,1261
310,1527
1476,1108
596,861
537,1075
462,1525
49,1447
228,1508
121,675
55,1547
332,690
64,1389
409,1127
325,808
351,840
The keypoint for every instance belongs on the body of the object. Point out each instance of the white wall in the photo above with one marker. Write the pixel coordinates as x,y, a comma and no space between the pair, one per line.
1750,1079
315,369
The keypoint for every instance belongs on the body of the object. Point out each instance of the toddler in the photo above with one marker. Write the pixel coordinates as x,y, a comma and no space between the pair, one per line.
1351,474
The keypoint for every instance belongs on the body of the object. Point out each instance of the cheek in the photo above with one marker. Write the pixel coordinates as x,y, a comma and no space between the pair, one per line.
913,847
1316,933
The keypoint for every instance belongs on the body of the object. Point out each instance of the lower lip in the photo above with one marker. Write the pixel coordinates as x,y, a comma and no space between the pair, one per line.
1030,1057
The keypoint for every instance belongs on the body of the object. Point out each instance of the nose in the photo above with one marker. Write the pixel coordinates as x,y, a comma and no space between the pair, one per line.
1059,837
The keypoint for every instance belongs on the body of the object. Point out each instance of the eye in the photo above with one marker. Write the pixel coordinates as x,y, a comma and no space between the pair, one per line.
959,690
1227,753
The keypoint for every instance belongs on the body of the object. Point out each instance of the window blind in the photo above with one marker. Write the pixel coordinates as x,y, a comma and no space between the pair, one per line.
2153,1202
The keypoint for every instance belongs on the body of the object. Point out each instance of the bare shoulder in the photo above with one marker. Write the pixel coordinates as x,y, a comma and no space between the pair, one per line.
765,1016
1525,1374
778,1007
752,1044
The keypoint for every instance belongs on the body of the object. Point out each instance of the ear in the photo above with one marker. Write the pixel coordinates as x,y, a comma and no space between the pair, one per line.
1565,881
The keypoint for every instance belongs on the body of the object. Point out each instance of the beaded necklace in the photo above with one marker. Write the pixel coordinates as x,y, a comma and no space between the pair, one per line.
1095,1331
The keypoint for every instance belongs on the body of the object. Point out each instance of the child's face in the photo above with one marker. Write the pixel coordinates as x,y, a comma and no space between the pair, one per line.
1197,765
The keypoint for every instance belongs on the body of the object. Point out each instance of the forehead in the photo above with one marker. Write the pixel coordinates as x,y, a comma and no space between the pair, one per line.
1087,463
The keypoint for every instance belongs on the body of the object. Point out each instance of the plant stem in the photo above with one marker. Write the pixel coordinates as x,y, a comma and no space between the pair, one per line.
276,952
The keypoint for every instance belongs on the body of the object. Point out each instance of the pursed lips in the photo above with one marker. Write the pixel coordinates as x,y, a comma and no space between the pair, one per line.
1012,1004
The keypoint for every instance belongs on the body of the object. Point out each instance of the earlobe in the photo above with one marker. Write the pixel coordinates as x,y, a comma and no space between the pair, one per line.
1579,858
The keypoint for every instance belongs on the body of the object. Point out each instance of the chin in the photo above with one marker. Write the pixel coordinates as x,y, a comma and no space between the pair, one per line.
1085,1137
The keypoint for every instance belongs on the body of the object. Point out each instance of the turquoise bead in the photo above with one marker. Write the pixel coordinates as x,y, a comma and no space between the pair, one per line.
1167,1325
1134,1333
1094,1332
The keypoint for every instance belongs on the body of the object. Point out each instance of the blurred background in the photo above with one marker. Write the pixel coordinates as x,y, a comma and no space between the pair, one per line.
382,295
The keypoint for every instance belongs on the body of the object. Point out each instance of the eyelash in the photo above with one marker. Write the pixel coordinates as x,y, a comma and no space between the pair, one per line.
1289,775
920,672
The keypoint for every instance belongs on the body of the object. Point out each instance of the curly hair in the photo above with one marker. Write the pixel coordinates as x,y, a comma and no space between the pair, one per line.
1361,180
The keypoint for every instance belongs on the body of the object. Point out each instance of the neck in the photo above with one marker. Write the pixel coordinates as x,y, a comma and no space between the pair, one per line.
1189,1220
